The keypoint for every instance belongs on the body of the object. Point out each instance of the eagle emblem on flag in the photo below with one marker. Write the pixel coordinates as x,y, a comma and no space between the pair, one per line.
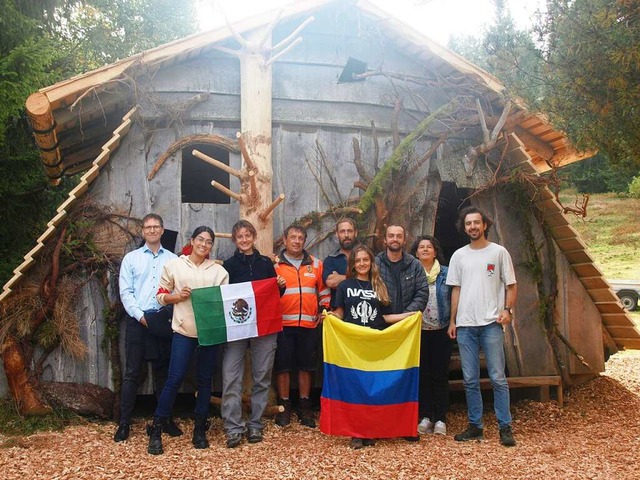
240,311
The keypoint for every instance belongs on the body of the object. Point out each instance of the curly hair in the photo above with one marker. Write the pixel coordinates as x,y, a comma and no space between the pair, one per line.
469,210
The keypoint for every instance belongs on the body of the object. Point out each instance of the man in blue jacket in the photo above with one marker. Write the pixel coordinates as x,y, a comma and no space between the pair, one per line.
335,264
402,273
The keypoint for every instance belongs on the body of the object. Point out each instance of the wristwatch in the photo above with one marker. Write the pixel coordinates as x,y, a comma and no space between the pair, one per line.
509,309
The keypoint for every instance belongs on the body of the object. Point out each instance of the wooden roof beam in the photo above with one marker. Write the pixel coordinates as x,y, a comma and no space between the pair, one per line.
541,148
44,131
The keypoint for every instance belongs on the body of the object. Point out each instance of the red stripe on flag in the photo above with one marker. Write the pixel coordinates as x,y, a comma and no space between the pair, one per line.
268,307
368,421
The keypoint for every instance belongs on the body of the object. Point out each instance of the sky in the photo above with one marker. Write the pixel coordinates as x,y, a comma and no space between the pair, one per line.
438,19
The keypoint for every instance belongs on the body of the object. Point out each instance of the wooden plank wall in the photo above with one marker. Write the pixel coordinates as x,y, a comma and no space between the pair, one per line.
309,107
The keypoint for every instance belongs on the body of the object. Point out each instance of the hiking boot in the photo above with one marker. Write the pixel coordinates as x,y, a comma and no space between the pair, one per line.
440,428
356,443
284,418
200,428
233,440
254,435
155,439
305,413
425,426
170,428
506,437
471,433
122,433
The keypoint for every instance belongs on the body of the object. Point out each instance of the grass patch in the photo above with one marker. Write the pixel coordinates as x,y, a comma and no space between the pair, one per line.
12,423
610,231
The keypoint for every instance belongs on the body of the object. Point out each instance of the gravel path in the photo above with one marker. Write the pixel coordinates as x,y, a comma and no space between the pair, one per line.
596,435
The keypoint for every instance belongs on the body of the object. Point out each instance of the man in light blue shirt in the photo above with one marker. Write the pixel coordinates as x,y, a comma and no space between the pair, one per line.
148,333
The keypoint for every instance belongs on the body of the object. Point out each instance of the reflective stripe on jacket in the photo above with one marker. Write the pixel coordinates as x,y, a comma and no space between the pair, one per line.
304,291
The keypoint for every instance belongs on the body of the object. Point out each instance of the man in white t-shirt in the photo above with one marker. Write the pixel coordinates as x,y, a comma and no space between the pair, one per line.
482,298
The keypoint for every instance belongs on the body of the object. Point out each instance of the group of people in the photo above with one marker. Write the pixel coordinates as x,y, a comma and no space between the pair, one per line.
470,301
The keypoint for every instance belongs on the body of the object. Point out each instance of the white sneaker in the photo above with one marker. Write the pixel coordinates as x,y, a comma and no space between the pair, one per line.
425,426
440,428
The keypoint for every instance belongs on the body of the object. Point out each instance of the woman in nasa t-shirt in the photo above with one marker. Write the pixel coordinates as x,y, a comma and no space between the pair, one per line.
362,298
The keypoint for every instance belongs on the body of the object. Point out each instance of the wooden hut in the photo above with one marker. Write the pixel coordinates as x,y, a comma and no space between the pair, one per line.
339,107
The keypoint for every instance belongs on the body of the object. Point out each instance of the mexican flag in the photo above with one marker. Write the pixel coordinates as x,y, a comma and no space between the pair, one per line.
237,311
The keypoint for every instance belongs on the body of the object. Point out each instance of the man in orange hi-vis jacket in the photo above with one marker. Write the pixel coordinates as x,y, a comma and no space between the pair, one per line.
302,301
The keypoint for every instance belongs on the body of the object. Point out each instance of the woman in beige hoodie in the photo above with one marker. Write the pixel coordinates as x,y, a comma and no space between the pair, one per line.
179,276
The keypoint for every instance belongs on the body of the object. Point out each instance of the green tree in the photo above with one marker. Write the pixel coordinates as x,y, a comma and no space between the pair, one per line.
100,32
42,42
591,54
597,175
580,65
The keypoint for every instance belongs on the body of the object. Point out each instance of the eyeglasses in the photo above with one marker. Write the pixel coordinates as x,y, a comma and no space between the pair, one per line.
149,228
202,240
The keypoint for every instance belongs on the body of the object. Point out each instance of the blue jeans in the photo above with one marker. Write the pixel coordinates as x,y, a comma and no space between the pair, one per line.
182,349
491,339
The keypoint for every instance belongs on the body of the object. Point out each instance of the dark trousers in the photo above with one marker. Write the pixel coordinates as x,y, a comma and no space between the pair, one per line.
435,355
183,349
137,348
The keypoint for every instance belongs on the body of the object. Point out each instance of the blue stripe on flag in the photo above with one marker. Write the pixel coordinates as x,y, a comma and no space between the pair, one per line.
370,388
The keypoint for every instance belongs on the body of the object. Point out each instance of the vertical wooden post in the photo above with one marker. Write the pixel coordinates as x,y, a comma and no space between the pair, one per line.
255,121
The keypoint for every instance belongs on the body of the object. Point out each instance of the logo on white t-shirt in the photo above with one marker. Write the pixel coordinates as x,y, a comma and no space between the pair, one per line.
491,269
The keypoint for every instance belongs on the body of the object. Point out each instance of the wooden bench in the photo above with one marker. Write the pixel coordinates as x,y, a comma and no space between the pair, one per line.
542,382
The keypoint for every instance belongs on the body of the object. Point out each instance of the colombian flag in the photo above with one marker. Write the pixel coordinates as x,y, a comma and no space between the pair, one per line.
370,387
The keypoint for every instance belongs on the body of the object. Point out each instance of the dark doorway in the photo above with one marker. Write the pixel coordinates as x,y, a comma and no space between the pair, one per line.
452,200
197,175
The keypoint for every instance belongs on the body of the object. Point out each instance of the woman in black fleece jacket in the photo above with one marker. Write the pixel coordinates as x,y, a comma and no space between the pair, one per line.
246,265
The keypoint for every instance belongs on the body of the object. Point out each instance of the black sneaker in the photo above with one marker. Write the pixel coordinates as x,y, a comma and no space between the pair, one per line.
506,437
283,418
122,433
356,443
233,440
471,433
254,435
305,413
368,442
415,438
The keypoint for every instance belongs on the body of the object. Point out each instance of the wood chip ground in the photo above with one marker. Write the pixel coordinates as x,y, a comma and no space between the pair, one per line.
596,435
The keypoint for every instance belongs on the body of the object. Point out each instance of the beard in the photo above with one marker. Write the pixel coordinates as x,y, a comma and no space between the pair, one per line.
395,247
475,235
347,244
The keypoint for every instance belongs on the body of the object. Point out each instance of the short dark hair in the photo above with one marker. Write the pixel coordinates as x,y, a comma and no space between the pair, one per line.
469,210
434,241
152,216
348,220
404,230
203,228
295,226
243,224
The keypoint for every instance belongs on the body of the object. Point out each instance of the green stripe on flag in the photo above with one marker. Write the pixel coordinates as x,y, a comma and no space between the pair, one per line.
208,309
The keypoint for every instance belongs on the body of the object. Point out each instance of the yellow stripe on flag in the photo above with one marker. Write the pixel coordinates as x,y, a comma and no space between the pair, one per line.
352,346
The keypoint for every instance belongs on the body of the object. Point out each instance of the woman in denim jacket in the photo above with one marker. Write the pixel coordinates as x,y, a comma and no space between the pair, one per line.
435,344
